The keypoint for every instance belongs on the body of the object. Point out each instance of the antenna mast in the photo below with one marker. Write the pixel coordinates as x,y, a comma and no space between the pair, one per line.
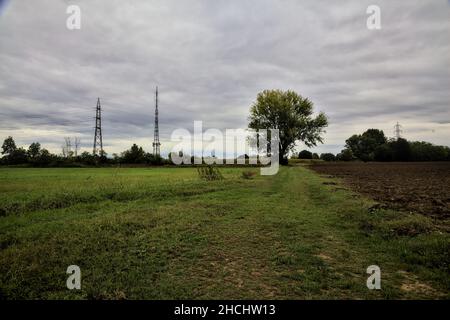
156,143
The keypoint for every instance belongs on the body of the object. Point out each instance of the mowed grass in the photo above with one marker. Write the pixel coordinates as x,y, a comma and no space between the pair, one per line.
162,233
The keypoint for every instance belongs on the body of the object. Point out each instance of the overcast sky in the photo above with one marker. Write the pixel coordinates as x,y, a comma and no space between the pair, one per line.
211,58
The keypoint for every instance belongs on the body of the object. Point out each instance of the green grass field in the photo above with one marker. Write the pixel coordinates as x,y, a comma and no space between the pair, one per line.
162,233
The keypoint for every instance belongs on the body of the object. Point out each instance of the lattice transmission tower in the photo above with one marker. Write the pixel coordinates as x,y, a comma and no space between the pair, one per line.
98,140
156,143
398,131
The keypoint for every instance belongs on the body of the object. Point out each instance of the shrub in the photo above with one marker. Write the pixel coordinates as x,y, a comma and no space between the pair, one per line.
345,155
248,174
401,149
327,157
209,173
408,226
425,151
384,153
305,154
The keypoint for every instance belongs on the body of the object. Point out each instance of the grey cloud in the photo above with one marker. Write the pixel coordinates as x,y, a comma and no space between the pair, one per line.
211,58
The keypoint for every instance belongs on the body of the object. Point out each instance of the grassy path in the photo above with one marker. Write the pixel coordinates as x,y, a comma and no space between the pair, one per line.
294,235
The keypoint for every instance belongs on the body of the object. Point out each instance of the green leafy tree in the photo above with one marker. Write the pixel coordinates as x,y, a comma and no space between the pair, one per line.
34,150
363,146
345,155
305,154
425,151
9,146
384,153
292,115
45,158
401,149
19,156
153,159
87,158
327,156
13,155
134,155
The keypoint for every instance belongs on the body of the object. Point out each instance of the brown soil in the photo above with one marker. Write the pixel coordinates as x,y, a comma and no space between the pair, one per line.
422,187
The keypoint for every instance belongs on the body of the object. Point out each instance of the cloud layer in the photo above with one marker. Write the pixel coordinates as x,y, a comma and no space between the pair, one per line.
211,58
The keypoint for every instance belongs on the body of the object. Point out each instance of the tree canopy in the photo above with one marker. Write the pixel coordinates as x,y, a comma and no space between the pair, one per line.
363,146
9,146
292,115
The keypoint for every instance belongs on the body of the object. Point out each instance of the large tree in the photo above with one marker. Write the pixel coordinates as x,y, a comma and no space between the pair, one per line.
363,146
134,155
34,150
9,146
292,115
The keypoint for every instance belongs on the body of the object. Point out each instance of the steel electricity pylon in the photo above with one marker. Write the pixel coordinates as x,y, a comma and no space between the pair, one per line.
156,143
98,140
397,131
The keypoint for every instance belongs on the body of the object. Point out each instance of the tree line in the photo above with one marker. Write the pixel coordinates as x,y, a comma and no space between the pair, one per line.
37,156
287,111
373,145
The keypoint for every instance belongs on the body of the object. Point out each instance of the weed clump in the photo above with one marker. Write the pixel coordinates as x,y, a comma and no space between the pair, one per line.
209,173
409,226
248,174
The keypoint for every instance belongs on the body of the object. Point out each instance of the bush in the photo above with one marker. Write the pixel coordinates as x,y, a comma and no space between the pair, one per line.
401,149
327,157
345,155
305,154
209,173
408,226
424,151
248,174
384,153
363,146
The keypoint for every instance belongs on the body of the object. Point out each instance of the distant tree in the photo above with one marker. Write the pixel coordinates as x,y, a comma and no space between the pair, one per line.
292,115
315,156
115,158
401,149
9,146
13,155
305,154
363,146
87,158
384,153
154,160
45,158
376,136
19,156
327,157
67,148
103,157
34,150
77,143
425,151
345,155
134,155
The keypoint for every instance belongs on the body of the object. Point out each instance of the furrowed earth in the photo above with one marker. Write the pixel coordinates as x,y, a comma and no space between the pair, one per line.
163,233
422,187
